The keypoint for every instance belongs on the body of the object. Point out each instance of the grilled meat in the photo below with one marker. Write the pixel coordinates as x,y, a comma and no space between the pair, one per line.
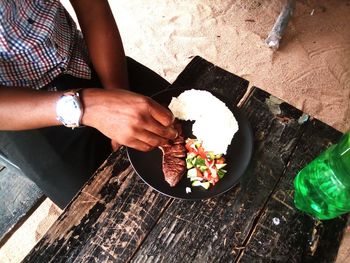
173,169
175,150
174,153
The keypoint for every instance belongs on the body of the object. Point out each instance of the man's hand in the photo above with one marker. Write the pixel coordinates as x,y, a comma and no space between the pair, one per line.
128,118
115,146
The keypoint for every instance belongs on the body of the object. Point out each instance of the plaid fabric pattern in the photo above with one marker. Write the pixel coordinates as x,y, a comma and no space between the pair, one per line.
39,41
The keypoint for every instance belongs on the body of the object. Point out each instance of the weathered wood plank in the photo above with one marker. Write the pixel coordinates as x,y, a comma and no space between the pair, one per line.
107,220
113,217
214,230
282,229
18,197
115,211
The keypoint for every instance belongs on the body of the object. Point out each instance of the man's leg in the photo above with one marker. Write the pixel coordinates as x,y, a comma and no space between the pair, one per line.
143,80
59,160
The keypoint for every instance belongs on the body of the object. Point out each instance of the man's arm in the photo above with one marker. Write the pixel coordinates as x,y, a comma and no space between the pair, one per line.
137,122
104,42
127,118
23,109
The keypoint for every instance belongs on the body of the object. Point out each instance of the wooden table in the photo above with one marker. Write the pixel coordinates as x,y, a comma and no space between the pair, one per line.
118,218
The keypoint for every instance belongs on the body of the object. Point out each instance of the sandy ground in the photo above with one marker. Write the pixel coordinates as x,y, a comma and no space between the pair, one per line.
24,239
311,70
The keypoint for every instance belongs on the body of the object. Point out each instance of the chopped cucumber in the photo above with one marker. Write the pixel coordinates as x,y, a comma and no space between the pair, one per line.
189,164
197,143
203,168
197,165
221,173
196,178
199,162
190,155
210,155
192,172
205,185
196,183
220,165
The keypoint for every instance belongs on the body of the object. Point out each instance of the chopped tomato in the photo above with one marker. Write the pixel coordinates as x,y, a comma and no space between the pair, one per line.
199,173
201,152
205,163
220,160
209,163
213,181
214,173
206,174
190,147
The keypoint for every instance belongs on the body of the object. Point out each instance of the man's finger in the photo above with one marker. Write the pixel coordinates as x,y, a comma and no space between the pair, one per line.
139,145
161,114
115,145
151,138
153,126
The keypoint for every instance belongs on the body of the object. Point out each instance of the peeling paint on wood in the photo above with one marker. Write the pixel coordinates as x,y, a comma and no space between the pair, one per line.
300,238
216,230
118,218
116,210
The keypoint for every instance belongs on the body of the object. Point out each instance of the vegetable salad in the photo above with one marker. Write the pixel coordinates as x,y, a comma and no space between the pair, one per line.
204,167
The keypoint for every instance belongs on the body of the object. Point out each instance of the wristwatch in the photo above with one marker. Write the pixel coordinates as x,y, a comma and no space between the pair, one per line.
69,109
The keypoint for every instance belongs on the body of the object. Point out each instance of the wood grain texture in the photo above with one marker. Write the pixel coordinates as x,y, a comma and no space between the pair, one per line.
117,218
283,234
115,211
216,230
107,220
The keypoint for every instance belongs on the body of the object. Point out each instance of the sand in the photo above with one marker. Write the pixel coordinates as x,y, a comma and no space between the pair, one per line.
309,71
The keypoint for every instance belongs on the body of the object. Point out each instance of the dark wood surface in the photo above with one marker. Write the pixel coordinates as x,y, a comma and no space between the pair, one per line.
118,218
18,199
293,236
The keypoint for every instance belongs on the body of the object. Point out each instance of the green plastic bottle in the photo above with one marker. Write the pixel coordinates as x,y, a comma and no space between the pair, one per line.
322,188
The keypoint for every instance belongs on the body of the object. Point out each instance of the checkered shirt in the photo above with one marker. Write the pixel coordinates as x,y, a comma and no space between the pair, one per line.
39,41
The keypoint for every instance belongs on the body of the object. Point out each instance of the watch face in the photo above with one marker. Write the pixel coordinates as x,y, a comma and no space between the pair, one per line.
69,110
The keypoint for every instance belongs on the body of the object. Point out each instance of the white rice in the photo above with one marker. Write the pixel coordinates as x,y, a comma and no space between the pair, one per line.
214,123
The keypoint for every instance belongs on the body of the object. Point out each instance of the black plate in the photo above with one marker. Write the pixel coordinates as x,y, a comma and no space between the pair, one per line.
148,165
